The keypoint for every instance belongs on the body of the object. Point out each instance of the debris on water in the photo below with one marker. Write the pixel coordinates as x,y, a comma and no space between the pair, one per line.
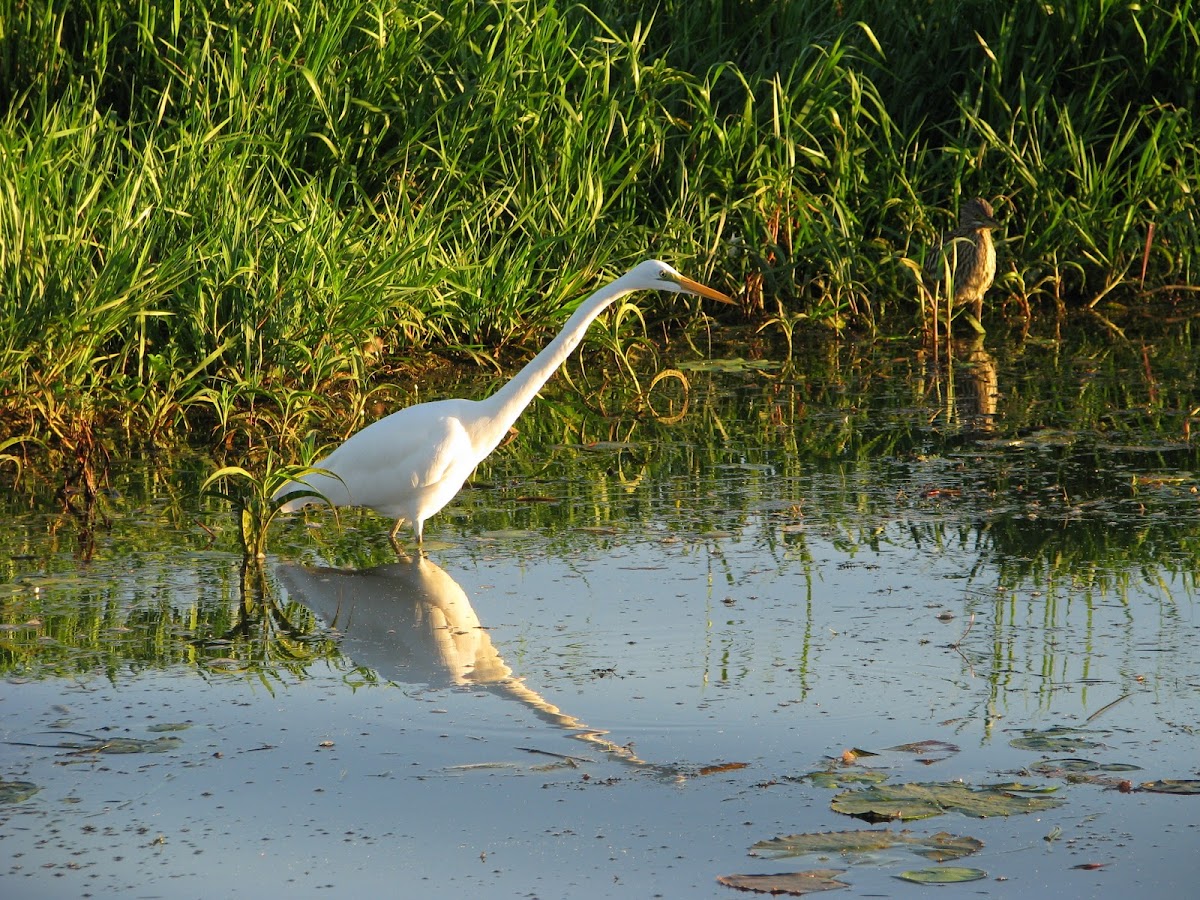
721,767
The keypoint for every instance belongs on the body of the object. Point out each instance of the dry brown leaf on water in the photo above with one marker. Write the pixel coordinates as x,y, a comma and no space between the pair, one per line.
722,767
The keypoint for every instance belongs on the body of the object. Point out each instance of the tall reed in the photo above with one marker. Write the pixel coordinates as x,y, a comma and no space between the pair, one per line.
224,216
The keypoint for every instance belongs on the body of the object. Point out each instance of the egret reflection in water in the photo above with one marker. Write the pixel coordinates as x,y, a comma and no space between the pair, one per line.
411,622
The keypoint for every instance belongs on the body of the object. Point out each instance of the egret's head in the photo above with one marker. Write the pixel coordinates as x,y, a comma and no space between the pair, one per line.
654,274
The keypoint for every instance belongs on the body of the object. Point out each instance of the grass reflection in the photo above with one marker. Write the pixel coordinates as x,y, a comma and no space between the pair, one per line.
1064,471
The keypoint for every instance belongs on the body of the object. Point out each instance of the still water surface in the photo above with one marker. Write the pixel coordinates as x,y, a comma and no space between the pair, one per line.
874,552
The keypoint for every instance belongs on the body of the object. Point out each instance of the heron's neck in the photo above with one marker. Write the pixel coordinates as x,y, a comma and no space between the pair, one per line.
504,407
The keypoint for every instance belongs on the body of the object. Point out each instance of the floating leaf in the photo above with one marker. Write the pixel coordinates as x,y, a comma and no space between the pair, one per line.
125,745
836,779
943,875
1058,739
865,840
1173,786
881,803
940,749
136,745
941,847
1057,767
16,791
1018,787
95,744
170,726
795,883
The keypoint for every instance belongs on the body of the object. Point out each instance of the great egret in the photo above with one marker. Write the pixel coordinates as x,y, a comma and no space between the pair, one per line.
410,464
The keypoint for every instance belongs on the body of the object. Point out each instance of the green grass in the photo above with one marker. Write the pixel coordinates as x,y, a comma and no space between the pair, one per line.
227,221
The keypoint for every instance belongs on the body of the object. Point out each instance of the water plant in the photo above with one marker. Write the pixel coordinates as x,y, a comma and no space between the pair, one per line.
251,497
211,208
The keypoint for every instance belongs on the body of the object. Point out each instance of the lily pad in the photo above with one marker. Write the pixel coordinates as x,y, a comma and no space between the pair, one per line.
1058,739
170,726
836,779
1058,767
1019,787
881,803
94,744
1173,786
16,791
122,745
943,875
940,847
797,884
927,752
943,846
864,840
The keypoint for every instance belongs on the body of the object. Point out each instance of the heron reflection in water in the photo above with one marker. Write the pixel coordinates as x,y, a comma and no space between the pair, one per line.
413,623
963,381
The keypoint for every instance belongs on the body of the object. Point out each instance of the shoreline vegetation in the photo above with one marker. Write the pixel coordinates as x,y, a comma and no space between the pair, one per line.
234,223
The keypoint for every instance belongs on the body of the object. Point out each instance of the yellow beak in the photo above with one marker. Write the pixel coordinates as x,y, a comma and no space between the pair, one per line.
695,287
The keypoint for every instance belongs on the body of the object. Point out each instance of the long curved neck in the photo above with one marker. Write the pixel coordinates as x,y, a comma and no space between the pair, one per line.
503,407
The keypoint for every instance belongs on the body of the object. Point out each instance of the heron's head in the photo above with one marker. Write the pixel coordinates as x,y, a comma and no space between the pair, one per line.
656,275
977,213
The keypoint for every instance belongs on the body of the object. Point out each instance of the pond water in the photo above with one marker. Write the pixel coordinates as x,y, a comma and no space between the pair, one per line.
632,641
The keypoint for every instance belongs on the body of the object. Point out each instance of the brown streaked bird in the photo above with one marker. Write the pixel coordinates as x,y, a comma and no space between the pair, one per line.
969,256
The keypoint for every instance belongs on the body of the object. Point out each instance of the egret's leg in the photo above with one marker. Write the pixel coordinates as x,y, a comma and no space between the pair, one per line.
395,543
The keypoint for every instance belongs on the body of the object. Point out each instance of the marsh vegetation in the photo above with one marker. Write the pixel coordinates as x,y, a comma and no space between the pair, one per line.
235,224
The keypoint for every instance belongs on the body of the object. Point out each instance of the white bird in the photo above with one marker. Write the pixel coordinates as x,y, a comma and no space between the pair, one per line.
410,464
